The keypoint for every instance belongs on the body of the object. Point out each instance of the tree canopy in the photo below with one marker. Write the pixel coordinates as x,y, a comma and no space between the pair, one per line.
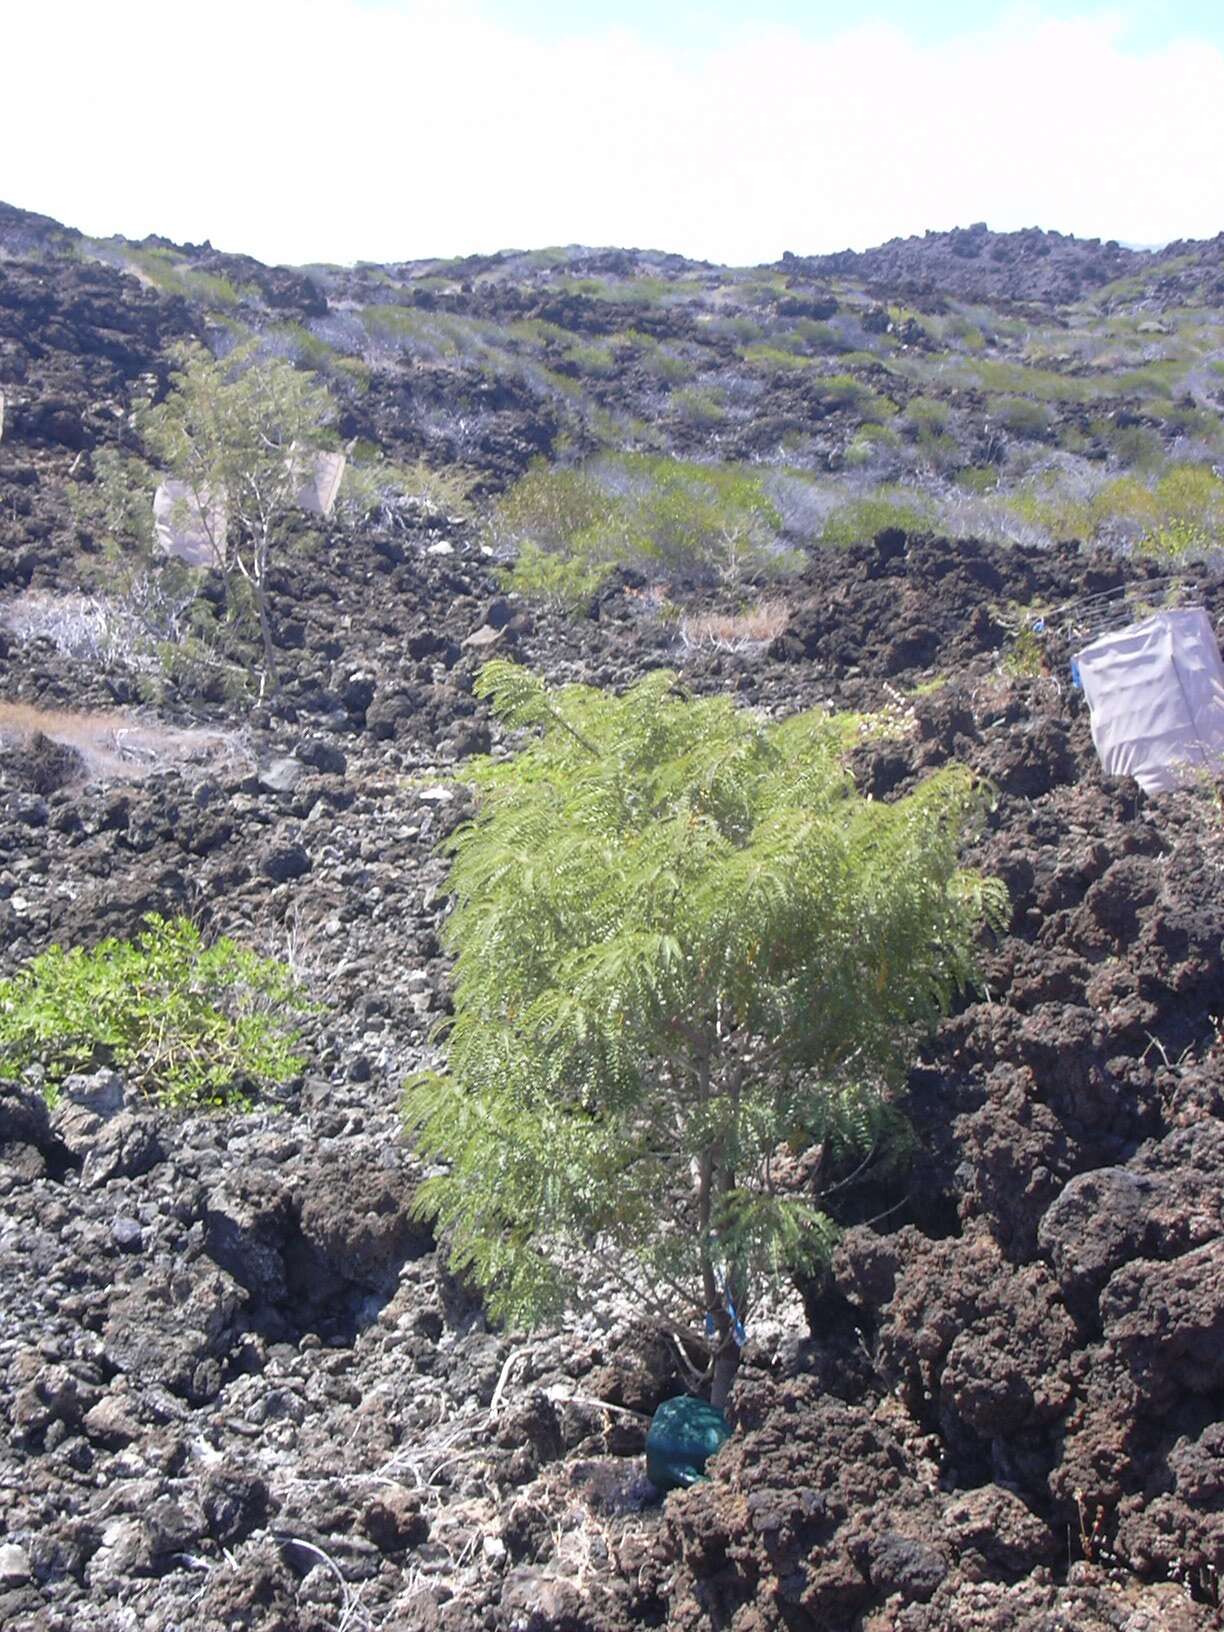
685,946
235,432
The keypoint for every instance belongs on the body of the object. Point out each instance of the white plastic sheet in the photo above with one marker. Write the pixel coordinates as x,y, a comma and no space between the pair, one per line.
1155,694
182,528
320,476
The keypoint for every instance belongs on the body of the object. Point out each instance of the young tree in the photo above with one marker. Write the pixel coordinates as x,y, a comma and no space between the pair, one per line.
686,950
237,433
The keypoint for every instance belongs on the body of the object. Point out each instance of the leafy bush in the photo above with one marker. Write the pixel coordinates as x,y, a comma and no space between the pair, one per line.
978,478
1024,656
161,268
1137,446
146,617
392,496
669,516
844,391
597,361
1127,509
1177,542
870,443
692,518
1023,417
687,953
186,1023
775,357
703,409
566,583
236,428
927,414
864,518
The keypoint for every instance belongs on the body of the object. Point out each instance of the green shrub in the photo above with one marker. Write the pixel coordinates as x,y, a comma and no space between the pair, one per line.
663,364
1130,508
774,357
301,346
687,952
927,414
943,453
375,489
700,408
1022,417
1177,542
844,391
160,268
1192,494
567,583
1153,380
961,330
597,361
869,441
551,506
994,375
669,516
209,288
1136,446
978,478
864,518
186,1023
1190,420
238,428
1073,440
1024,656
692,518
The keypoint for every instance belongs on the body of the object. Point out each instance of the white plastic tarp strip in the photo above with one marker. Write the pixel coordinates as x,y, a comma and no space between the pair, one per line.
1155,693
182,528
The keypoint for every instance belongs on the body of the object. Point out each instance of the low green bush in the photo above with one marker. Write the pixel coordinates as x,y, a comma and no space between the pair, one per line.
927,414
844,391
1177,542
1138,447
869,442
700,408
1022,416
597,361
188,1024
668,517
978,478
566,583
1129,509
864,518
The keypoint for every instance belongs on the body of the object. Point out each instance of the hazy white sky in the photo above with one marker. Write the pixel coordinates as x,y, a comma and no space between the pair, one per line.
300,130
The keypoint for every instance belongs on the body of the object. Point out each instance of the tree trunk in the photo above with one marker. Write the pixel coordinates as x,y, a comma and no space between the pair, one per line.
726,1364
265,635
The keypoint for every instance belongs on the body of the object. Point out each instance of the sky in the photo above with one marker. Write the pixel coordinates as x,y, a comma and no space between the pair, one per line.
339,130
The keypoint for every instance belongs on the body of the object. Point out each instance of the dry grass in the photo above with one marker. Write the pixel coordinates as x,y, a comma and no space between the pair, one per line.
88,628
117,747
736,631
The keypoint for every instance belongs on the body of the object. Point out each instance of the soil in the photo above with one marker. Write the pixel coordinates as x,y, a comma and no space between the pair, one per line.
241,1389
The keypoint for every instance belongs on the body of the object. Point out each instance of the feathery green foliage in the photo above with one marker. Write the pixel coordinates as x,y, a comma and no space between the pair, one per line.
237,430
685,948
189,1023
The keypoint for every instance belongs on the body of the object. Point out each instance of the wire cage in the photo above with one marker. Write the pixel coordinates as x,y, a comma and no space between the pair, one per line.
1066,629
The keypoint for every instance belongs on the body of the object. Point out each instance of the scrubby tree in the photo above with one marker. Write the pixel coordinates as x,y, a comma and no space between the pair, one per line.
237,431
688,952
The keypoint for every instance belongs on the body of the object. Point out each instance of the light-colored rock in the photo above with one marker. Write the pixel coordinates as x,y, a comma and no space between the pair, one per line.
14,1565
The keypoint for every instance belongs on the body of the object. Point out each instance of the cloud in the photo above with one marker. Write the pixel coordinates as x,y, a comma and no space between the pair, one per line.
303,130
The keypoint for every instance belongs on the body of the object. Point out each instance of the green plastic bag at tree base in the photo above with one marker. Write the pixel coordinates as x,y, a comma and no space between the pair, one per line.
684,1434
